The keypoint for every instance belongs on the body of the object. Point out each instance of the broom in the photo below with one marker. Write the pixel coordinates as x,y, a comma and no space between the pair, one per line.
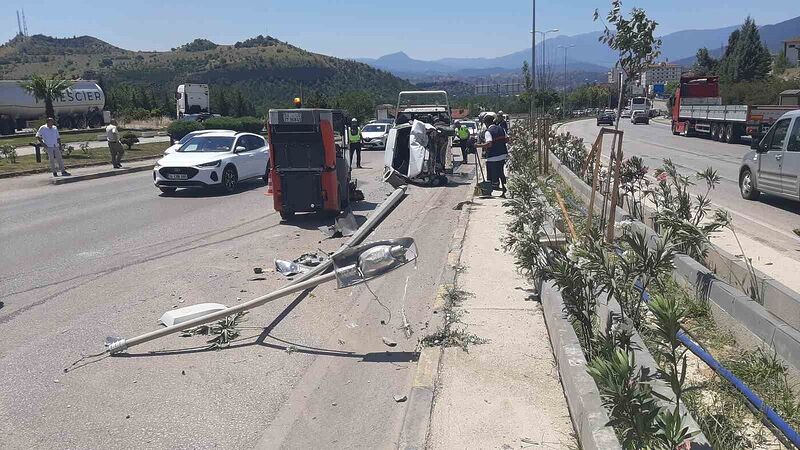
482,188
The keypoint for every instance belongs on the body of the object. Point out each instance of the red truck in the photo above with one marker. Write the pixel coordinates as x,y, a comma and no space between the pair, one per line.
697,109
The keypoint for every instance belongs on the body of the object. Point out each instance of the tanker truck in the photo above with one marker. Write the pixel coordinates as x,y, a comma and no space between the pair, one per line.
79,107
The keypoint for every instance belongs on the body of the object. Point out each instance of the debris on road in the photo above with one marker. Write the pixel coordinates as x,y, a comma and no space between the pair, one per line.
258,270
256,279
400,398
389,342
300,265
461,205
345,225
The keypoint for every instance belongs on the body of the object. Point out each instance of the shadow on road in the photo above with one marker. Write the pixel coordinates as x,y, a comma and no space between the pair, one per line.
245,186
787,205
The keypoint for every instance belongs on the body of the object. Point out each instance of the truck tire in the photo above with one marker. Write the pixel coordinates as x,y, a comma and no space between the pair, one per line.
731,134
674,129
715,131
746,187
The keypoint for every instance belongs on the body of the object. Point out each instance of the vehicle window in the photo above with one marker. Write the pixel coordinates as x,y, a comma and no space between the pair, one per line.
794,137
374,128
779,135
243,141
256,142
201,144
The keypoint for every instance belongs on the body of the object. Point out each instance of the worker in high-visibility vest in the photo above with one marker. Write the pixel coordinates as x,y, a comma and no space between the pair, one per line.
354,135
463,139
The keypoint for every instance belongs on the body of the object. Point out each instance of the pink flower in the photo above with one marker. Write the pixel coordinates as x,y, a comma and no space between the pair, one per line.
662,177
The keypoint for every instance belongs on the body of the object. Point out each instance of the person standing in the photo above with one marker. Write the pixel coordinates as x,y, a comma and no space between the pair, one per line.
463,139
496,153
354,134
114,145
502,121
48,136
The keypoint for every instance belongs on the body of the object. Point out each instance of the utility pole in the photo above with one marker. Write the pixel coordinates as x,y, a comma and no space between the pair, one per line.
564,101
533,62
543,78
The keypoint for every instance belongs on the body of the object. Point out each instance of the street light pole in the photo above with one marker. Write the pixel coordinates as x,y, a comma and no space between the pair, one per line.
533,61
564,100
543,79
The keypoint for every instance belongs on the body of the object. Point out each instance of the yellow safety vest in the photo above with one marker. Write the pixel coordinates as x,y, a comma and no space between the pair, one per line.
354,138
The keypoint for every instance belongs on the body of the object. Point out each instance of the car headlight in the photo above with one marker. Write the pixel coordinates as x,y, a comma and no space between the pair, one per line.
211,164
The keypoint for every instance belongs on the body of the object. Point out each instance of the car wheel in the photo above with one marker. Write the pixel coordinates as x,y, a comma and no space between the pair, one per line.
746,187
167,190
230,179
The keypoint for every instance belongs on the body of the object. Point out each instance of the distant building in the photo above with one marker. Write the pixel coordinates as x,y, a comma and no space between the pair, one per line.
661,74
613,75
792,50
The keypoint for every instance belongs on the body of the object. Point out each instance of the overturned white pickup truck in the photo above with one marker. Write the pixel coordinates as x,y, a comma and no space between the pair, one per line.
419,146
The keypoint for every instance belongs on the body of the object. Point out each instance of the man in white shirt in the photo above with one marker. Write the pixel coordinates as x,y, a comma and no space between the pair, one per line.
49,137
114,145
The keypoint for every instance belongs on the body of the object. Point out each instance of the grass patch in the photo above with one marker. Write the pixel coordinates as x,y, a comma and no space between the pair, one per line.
87,136
454,332
78,158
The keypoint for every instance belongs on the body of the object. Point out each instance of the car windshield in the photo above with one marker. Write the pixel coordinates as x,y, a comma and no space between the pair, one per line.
207,144
186,138
374,128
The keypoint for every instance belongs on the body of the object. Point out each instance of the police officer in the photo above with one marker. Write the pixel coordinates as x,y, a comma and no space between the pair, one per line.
463,139
354,134
496,153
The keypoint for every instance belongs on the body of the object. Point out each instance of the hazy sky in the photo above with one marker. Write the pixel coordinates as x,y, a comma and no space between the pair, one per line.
424,30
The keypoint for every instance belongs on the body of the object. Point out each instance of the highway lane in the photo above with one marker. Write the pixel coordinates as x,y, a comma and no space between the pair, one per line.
770,220
108,257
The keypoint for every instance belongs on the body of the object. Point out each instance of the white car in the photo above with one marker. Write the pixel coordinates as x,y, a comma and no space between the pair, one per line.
374,135
218,158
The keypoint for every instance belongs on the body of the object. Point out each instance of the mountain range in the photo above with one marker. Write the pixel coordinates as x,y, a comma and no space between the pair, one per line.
587,53
270,71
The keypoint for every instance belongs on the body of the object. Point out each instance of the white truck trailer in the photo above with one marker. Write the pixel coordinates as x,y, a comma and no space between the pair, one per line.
81,106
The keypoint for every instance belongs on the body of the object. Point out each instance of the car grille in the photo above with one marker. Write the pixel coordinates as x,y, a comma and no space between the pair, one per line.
188,171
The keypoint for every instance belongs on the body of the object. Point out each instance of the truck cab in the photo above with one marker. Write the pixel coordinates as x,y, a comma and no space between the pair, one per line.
773,167
192,99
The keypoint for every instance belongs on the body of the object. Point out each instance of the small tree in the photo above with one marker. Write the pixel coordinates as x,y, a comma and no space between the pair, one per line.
128,139
633,39
46,89
781,63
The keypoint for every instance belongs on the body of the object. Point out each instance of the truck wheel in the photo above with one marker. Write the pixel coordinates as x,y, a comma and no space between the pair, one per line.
731,134
674,129
714,132
6,126
685,132
746,187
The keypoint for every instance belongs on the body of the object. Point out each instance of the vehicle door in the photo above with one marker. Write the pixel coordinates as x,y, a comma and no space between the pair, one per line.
261,153
770,159
790,168
245,157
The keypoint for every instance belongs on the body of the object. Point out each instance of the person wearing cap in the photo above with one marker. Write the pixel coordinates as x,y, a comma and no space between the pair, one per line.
354,135
496,153
463,139
502,121
49,137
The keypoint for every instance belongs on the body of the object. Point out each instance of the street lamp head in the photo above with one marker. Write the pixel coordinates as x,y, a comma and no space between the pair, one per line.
367,261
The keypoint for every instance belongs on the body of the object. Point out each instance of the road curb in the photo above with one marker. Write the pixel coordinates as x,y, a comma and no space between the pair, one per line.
93,176
417,419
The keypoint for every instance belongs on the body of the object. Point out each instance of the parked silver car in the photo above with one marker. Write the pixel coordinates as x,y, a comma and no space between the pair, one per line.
774,166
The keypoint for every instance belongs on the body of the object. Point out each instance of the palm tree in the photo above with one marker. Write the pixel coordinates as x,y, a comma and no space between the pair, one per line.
46,89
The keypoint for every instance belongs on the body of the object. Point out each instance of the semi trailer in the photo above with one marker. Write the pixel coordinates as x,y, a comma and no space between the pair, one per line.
79,107
192,99
697,108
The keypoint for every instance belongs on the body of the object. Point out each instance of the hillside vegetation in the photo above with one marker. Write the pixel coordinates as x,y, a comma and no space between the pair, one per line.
267,71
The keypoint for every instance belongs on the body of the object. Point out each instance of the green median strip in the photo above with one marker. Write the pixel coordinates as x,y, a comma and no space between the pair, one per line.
78,158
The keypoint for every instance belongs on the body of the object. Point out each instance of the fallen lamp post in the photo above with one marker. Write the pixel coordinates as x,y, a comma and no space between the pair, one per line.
352,266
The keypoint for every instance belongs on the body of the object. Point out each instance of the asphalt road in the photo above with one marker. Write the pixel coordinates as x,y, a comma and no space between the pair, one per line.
108,257
769,220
